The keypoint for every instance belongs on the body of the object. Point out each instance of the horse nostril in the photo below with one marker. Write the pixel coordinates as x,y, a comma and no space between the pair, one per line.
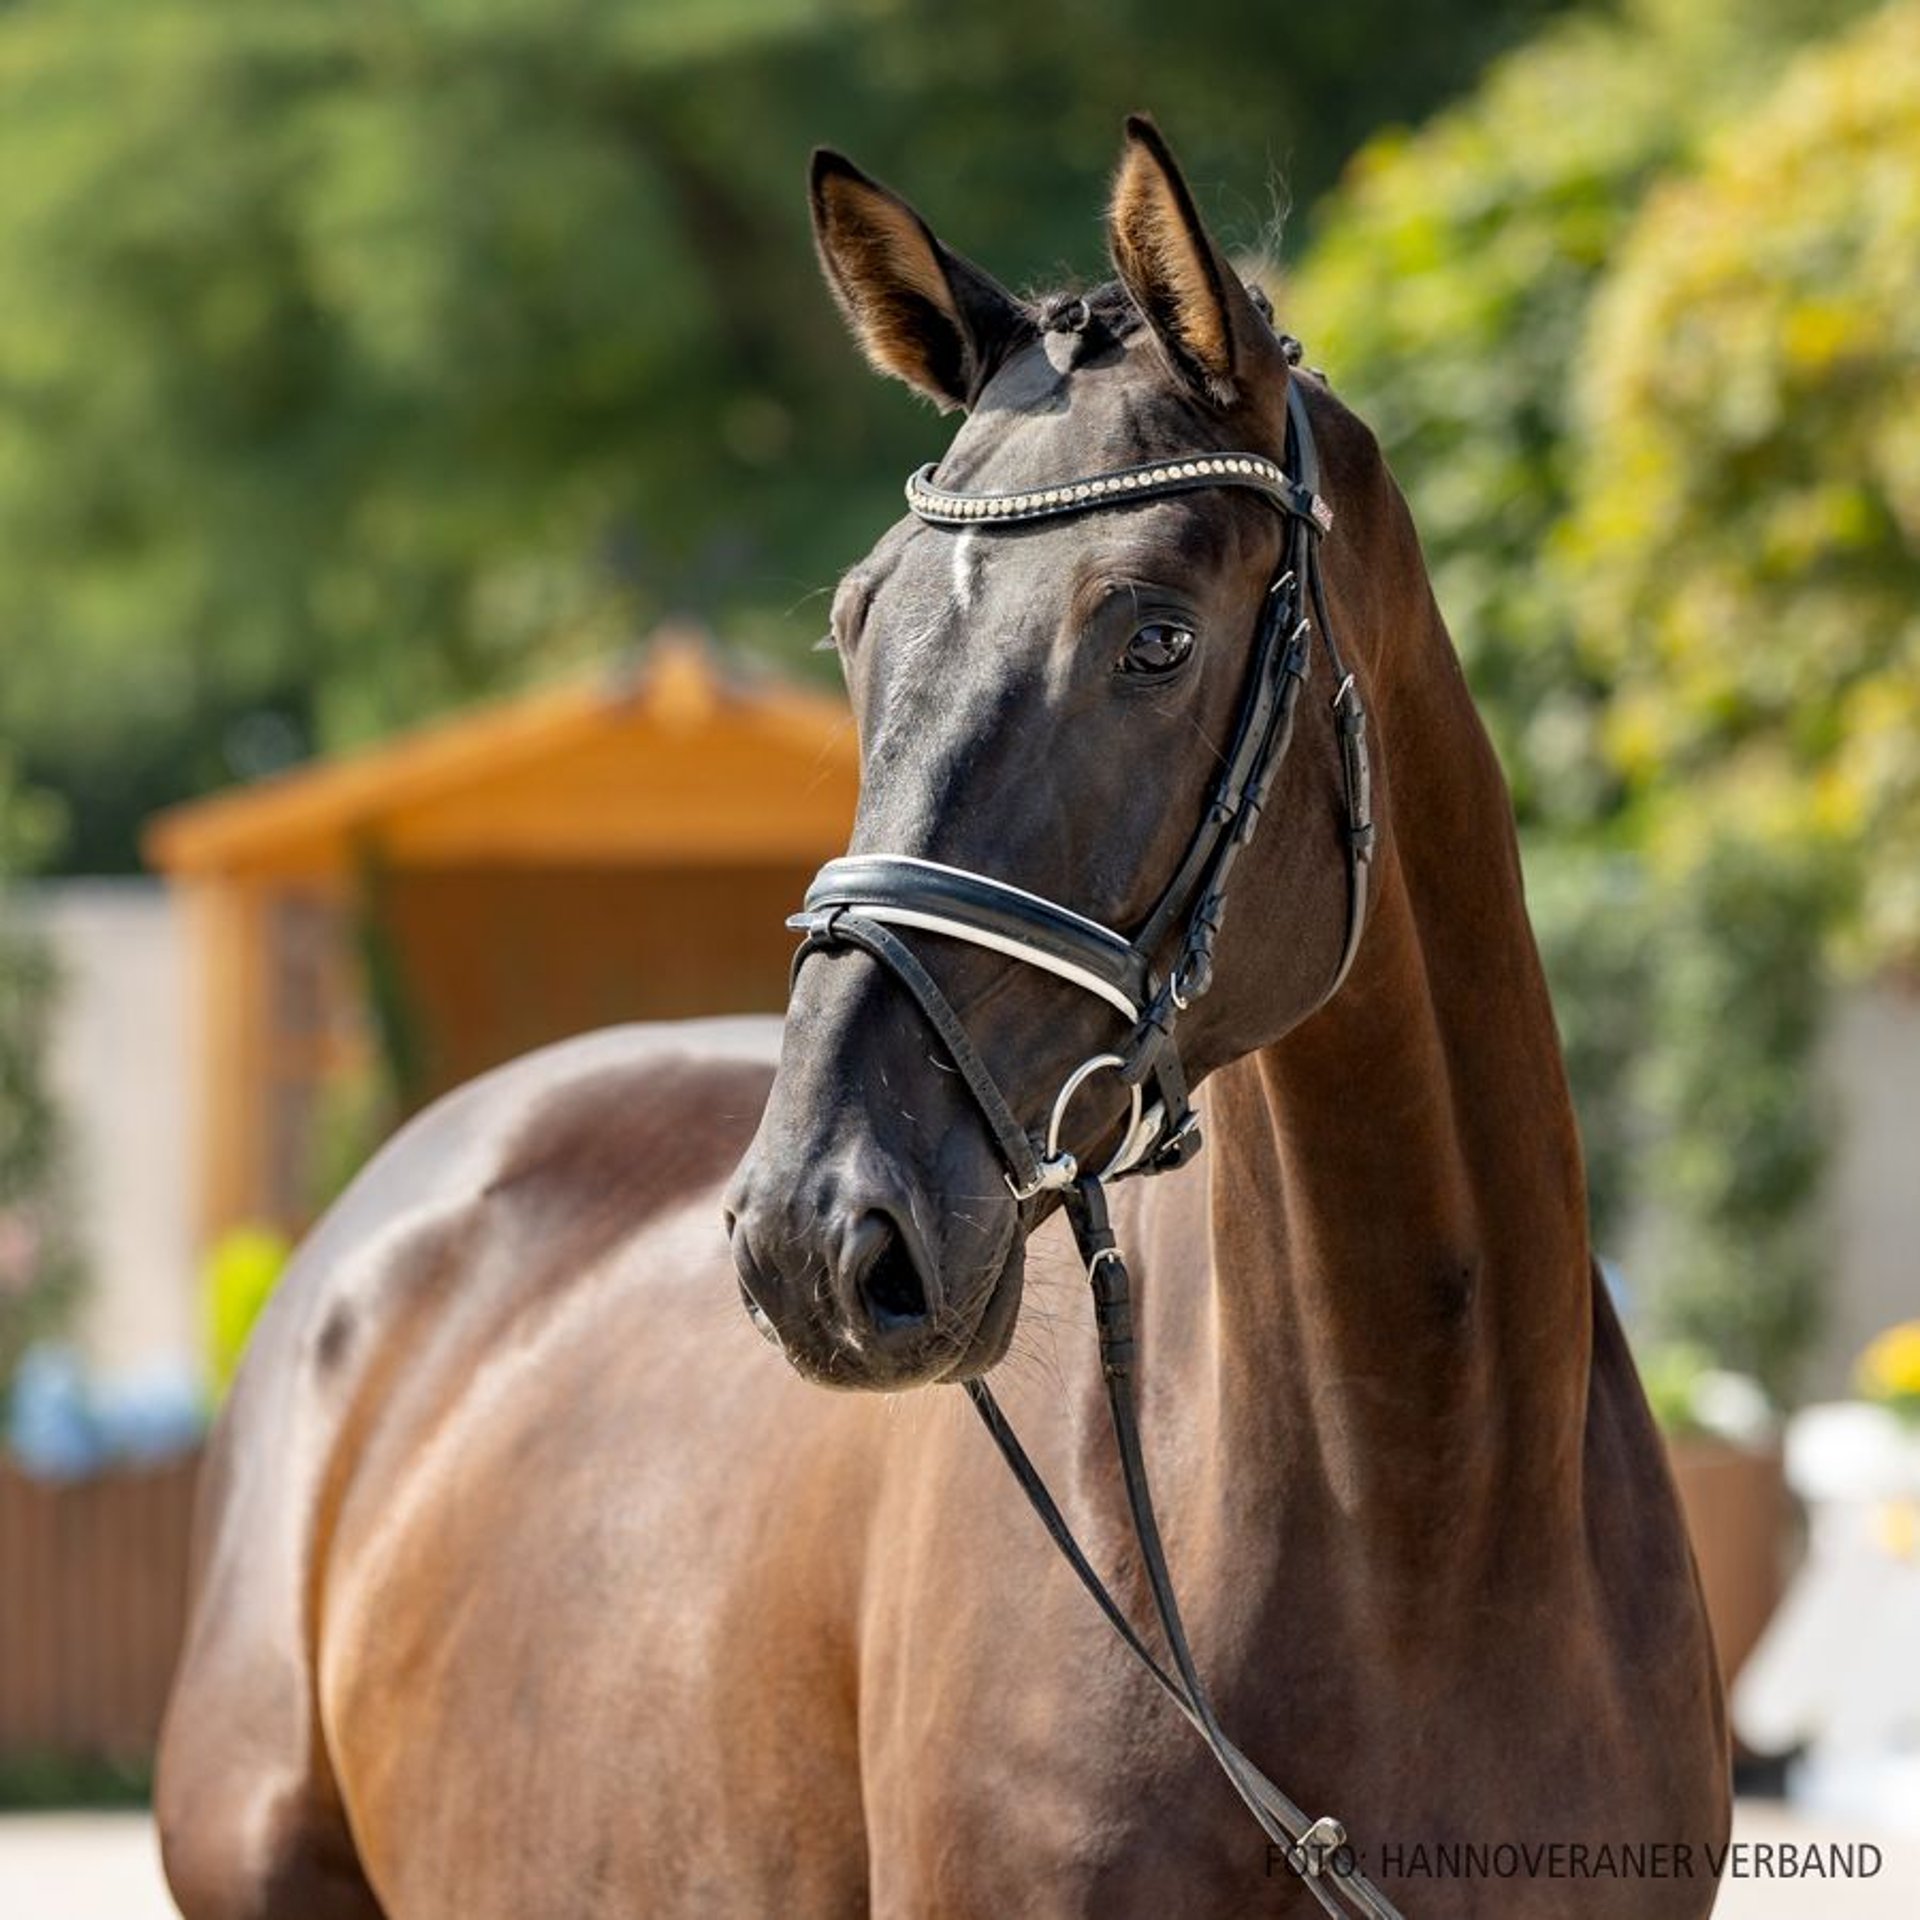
891,1283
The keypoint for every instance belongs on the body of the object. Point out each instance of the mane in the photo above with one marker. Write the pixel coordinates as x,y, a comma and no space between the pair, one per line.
1105,315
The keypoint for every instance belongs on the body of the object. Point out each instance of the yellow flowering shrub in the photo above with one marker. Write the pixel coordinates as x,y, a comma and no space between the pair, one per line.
1745,548
1447,291
242,1270
1889,1370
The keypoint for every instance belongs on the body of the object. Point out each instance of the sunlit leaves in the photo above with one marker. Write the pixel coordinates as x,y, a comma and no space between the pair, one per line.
1746,552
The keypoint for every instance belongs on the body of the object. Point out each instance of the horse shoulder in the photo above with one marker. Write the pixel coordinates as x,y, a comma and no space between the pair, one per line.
479,1213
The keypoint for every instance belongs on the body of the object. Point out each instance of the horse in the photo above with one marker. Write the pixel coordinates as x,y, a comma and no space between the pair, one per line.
531,1579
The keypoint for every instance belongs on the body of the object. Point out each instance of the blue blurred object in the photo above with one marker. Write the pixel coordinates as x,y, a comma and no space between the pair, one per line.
62,1425
152,1413
50,1425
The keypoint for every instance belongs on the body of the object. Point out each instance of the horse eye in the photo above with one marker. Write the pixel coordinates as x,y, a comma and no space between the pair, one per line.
1157,648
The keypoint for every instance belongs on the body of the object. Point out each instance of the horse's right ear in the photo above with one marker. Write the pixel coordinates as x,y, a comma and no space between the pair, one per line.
920,313
1214,338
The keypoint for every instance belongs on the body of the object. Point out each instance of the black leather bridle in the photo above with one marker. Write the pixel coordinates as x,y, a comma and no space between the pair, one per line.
866,900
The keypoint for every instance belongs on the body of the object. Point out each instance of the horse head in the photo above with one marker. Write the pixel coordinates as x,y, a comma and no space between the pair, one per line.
1045,697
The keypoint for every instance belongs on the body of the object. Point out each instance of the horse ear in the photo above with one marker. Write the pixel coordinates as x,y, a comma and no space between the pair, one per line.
920,313
1198,307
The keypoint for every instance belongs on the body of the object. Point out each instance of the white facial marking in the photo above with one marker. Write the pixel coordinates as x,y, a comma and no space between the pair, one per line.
966,564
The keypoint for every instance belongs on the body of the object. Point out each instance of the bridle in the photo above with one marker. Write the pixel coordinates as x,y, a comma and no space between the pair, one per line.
865,901
861,900
856,900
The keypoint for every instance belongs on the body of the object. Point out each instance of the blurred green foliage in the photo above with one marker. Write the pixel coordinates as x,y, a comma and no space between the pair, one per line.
1691,988
1735,1121
1671,1375
40,1268
32,823
1744,568
1639,335
45,1781
359,357
1449,294
1745,554
1595,921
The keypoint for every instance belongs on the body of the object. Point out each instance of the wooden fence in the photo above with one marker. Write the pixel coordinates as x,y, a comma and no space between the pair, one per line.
93,1577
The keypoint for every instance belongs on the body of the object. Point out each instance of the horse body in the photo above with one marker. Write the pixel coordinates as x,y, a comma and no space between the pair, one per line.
531,1582
527,1671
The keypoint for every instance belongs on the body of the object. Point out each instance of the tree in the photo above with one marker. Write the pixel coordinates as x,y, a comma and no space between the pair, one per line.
360,357
1746,551
1743,564
336,380
1453,292
39,1270
1448,291
1736,1132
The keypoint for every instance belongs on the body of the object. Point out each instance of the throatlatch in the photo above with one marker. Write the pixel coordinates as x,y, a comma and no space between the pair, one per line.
867,900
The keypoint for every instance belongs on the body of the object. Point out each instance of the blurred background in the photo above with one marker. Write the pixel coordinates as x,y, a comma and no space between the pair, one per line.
425,455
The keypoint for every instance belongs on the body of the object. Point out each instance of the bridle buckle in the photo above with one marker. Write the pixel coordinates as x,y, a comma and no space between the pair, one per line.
1179,1146
1320,1843
1192,978
1053,1173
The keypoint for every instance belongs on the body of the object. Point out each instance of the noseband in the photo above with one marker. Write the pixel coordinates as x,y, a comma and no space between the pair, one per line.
865,901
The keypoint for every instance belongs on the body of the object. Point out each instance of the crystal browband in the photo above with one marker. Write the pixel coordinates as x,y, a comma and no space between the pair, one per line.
1251,470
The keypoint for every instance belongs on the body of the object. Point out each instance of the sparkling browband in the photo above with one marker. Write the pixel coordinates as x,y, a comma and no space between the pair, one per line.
1251,470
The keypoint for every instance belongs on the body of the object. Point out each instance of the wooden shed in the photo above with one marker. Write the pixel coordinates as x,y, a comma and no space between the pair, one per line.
624,846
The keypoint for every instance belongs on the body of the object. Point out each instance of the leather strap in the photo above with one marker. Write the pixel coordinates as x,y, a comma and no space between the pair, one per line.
841,928
1311,1847
1119,487
1271,1808
1028,926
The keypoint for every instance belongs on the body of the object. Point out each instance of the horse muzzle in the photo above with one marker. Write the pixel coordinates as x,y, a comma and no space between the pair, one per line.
838,1271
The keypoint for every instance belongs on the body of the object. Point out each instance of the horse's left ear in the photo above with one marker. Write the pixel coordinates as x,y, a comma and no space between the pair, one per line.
1216,340
919,312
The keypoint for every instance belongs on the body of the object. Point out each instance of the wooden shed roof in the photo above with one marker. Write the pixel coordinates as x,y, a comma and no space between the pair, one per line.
662,760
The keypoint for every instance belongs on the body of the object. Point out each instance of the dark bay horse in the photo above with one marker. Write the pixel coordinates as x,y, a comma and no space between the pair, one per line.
532,1581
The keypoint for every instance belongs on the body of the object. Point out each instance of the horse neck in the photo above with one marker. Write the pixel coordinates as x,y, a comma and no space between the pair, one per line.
1402,1277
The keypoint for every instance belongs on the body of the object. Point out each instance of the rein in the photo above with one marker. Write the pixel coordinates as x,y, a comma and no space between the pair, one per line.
863,901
